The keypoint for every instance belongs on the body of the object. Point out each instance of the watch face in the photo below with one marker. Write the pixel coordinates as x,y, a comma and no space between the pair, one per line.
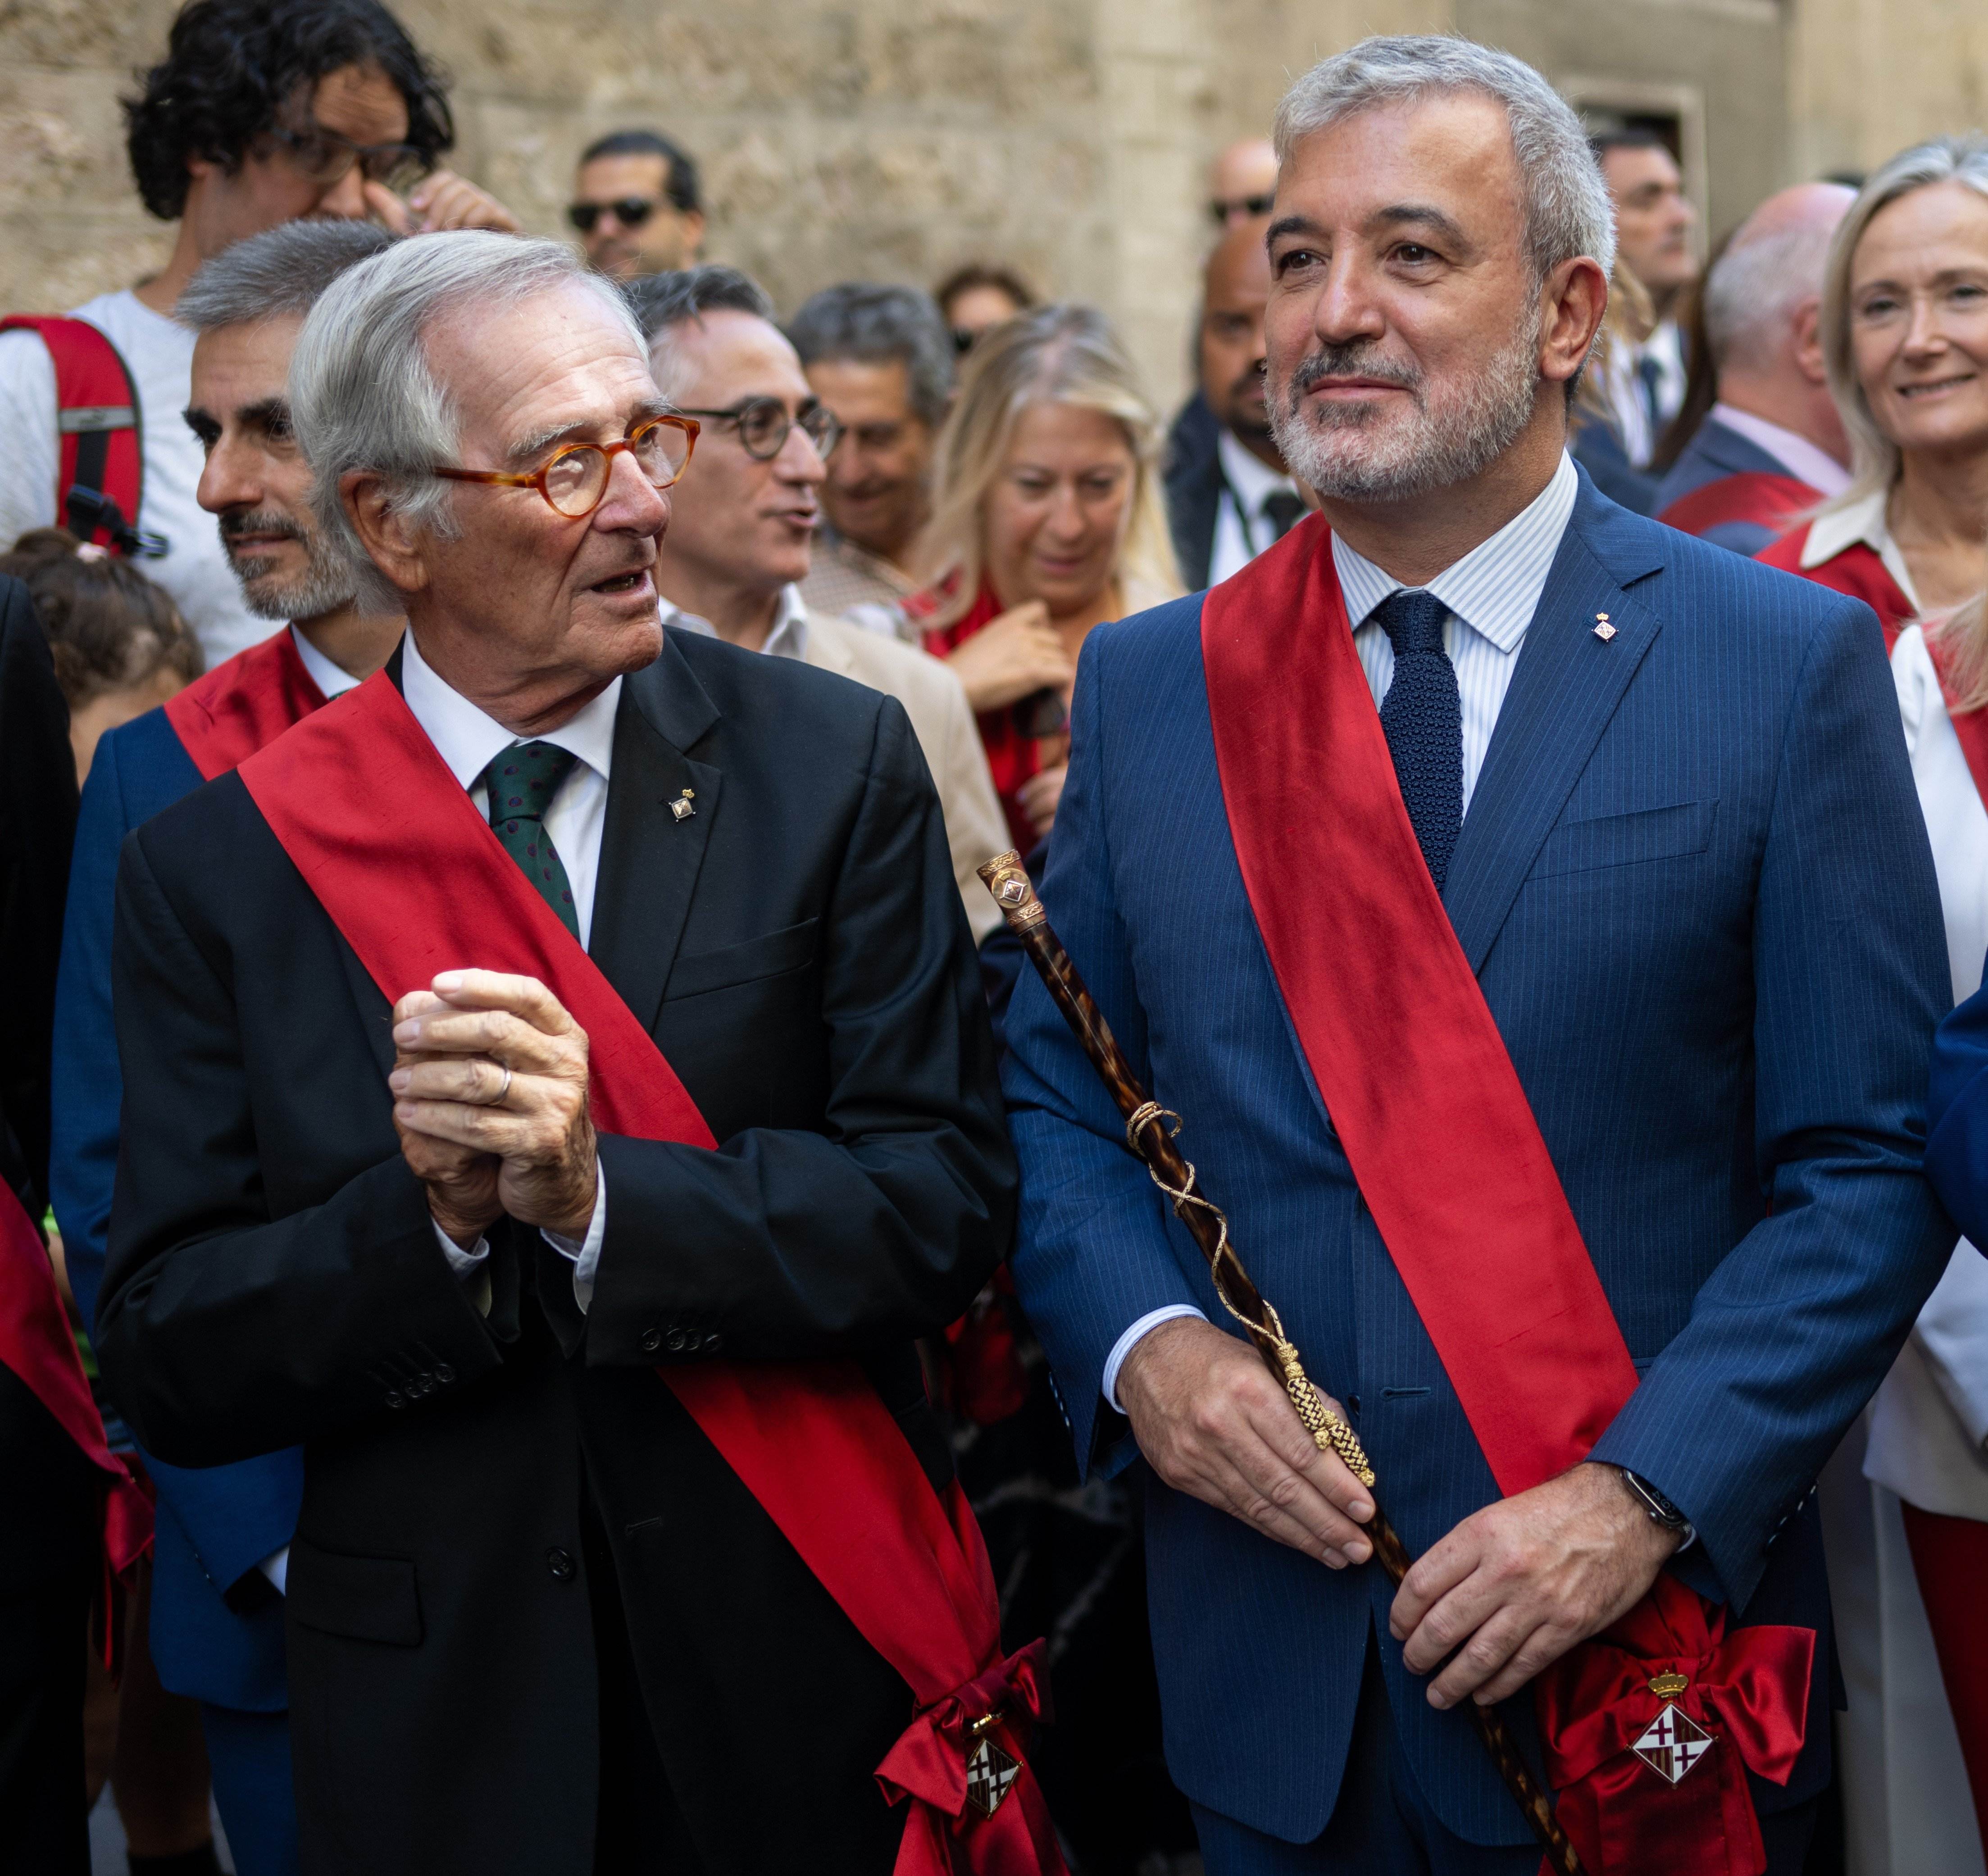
1659,1507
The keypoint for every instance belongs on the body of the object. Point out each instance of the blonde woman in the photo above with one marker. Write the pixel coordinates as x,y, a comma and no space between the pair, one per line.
1905,330
1047,521
1925,1456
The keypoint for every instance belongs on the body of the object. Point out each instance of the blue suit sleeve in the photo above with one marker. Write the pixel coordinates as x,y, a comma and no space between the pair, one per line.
1095,1250
1956,1157
88,1088
234,1515
1794,1329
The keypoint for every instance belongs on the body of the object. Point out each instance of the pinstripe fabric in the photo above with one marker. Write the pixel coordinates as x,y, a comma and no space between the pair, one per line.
1695,885
1491,592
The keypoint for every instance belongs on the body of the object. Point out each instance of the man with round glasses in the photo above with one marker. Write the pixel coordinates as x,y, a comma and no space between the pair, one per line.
743,534
557,1091
637,206
258,115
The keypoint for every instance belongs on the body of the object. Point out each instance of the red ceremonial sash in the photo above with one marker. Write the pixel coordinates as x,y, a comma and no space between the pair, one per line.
1422,1093
243,704
1858,570
387,840
1768,500
36,1343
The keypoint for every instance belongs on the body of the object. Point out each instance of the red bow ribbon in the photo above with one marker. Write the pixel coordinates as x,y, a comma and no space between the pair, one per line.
1748,1689
945,1834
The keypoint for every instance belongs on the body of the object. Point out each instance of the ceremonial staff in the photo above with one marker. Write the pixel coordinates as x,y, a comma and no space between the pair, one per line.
1148,1135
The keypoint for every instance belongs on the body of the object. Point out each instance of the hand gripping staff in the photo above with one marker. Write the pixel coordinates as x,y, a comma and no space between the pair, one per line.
1148,1135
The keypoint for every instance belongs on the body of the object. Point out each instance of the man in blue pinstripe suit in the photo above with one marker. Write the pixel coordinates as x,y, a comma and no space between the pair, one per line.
1662,793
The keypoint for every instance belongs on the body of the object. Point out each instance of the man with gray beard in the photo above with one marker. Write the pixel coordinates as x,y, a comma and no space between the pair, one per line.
1524,908
222,1534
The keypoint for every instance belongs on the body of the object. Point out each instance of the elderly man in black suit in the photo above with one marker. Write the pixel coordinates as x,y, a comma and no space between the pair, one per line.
540,1621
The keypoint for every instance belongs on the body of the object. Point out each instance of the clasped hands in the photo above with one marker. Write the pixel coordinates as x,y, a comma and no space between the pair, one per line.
1505,1594
489,1085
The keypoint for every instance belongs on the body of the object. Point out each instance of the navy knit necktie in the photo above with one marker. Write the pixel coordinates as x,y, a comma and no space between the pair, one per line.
522,781
1422,716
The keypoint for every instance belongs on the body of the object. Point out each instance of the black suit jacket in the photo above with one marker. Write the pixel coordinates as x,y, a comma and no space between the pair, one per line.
49,1531
1194,488
798,949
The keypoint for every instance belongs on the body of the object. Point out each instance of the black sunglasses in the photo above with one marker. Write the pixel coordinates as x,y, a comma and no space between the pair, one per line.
630,212
763,425
1249,205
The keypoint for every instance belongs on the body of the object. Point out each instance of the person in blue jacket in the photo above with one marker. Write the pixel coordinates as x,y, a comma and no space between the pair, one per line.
222,1535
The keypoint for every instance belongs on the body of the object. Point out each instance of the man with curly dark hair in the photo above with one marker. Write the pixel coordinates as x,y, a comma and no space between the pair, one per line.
259,114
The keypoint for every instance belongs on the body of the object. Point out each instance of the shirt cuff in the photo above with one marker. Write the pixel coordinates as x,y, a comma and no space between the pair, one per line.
1108,1386
464,1263
585,1252
276,1567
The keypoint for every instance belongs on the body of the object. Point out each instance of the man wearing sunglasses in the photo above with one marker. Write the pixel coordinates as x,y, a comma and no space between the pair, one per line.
636,207
557,1091
743,529
259,114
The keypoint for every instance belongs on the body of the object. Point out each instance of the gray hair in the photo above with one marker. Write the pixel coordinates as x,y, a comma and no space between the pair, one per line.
363,395
279,273
1753,289
662,300
1568,210
1874,456
882,325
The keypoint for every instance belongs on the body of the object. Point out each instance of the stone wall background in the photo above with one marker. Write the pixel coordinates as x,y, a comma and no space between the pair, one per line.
892,139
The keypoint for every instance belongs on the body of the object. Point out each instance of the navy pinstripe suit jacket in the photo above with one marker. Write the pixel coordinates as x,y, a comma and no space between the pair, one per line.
1696,888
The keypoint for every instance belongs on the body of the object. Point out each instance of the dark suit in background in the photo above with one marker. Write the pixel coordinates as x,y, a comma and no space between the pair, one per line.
1194,488
48,1546
526,1595
1714,452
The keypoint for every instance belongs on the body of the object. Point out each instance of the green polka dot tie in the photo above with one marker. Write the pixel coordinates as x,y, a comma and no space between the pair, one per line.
521,782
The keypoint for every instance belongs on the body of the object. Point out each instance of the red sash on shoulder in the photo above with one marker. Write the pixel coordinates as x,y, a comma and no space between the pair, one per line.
1412,1069
1857,570
410,872
243,704
1768,500
36,1343
1971,726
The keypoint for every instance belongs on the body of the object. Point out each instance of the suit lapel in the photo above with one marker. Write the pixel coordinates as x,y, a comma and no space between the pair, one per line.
649,859
1566,686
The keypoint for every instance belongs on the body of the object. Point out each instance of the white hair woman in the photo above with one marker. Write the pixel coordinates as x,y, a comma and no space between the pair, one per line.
1905,331
1047,521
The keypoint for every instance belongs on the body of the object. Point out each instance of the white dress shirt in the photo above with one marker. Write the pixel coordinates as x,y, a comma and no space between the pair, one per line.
787,640
334,680
1929,1422
1491,594
1863,520
1793,452
468,741
1242,529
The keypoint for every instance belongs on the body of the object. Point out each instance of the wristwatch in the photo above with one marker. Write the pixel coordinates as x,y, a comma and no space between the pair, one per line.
1660,1510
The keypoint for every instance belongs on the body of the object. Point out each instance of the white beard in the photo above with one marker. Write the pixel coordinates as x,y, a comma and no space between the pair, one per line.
1441,442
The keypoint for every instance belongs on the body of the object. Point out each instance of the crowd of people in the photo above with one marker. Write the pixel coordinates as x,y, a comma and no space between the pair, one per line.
1508,758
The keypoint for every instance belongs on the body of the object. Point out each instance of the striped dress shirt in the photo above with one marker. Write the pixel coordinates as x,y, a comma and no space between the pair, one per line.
1491,594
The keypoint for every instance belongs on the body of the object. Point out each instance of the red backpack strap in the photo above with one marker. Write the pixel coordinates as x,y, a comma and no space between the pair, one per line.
99,474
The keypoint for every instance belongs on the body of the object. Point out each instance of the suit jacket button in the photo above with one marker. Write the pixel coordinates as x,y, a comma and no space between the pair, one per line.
713,1343
444,1373
652,1340
674,1341
395,1397
561,1564
424,1383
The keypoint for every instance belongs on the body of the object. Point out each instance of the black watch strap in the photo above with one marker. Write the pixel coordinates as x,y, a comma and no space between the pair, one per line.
1660,1509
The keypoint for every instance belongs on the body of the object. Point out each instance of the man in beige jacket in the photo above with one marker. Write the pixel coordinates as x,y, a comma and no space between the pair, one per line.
744,516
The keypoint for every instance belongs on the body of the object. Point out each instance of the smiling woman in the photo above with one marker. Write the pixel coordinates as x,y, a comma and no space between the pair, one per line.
1047,521
1905,327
